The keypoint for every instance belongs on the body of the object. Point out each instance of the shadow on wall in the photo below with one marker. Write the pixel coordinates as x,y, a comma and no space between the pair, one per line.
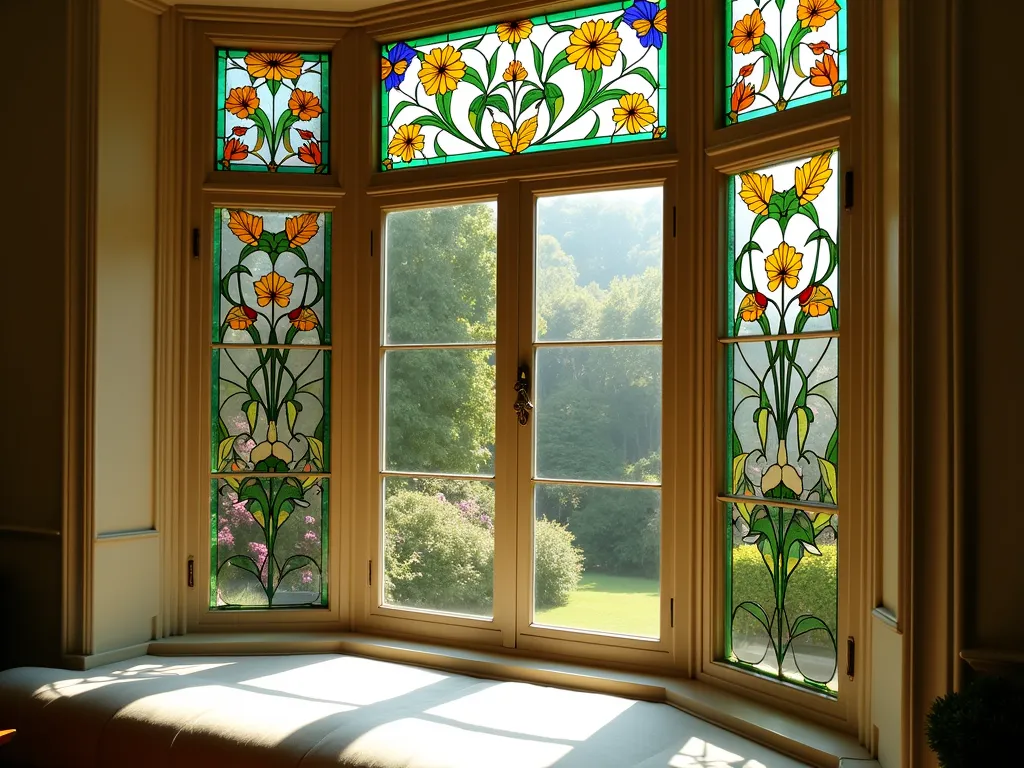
30,573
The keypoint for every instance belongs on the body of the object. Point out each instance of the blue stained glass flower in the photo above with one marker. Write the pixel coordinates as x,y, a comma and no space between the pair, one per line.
393,68
648,21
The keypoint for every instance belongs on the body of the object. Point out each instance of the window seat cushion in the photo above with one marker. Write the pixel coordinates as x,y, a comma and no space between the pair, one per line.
329,710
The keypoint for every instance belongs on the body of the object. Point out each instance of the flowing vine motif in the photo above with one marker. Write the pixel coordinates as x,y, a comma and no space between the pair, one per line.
259,92
270,408
783,431
770,61
570,79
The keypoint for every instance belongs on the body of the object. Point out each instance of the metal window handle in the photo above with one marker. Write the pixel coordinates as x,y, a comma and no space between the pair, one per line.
523,405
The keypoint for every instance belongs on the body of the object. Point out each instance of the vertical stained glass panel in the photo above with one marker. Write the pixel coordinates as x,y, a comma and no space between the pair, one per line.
780,54
570,79
269,542
272,111
783,593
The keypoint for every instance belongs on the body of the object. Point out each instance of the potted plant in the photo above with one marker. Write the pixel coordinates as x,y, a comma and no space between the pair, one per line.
976,726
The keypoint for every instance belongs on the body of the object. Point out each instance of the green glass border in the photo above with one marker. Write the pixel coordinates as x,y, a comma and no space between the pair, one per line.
325,530
809,98
551,18
214,545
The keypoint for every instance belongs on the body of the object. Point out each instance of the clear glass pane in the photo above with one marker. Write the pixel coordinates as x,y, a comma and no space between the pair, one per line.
273,277
439,411
568,79
596,559
271,410
598,265
598,413
439,545
783,429
441,275
784,235
783,593
779,55
272,111
269,542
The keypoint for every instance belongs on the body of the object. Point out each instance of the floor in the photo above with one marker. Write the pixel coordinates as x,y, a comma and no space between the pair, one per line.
321,710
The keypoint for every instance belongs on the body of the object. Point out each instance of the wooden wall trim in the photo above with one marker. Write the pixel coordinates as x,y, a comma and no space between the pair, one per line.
79,329
153,6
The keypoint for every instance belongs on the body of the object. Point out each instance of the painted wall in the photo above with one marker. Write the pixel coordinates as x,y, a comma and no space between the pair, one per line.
32,352
994,343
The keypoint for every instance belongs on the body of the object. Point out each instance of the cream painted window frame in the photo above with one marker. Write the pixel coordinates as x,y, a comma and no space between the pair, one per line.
697,153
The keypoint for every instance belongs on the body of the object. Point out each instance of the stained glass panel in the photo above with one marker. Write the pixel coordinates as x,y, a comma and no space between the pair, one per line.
570,79
783,427
272,111
271,410
783,245
269,542
781,54
273,272
782,593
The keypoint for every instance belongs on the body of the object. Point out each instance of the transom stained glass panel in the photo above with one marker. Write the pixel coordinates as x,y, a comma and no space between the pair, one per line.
272,111
572,79
781,54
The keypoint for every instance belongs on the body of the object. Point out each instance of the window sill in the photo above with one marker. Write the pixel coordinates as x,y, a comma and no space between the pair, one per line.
780,731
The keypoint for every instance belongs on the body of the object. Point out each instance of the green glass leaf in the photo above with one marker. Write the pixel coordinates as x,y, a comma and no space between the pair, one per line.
492,65
472,77
806,624
499,102
531,97
555,100
560,62
402,105
646,75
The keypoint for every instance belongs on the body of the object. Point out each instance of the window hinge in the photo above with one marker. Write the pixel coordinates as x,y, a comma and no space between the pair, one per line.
369,573
195,243
673,221
671,611
851,655
848,193
191,572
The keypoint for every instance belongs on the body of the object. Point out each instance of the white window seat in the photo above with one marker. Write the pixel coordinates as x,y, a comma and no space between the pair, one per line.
334,709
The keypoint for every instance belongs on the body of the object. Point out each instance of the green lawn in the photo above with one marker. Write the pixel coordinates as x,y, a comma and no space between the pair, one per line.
623,605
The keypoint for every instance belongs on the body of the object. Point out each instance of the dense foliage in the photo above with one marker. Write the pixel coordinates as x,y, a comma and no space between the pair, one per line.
978,725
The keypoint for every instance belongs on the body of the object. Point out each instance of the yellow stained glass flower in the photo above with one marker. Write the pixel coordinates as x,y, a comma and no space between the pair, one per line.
782,472
634,112
246,227
756,190
241,317
811,177
406,142
784,263
753,306
514,72
514,31
816,300
441,70
273,288
301,229
304,105
814,13
271,447
274,66
514,142
303,318
747,32
593,45
242,102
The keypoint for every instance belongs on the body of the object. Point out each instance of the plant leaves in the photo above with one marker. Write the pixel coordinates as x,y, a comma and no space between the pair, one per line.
301,229
555,100
812,176
251,414
473,78
293,414
806,624
403,104
828,477
224,451
646,75
500,103
531,97
560,62
246,563
492,65
756,189
538,58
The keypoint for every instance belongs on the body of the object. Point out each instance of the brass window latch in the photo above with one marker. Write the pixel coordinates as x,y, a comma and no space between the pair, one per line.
523,405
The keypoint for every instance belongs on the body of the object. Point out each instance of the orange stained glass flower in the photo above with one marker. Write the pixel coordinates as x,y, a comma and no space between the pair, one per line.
742,98
310,153
304,104
747,70
593,45
818,48
783,264
441,70
634,113
747,32
514,72
235,150
274,288
514,142
753,306
756,190
303,318
825,73
241,317
246,227
514,31
304,134
816,300
301,229
274,66
242,102
814,13
241,130
407,142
